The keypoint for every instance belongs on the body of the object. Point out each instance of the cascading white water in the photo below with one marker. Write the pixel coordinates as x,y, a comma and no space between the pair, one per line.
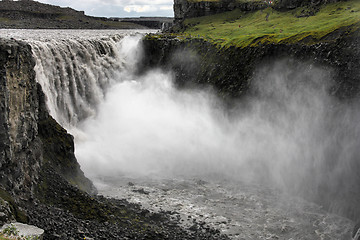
125,124
290,133
76,73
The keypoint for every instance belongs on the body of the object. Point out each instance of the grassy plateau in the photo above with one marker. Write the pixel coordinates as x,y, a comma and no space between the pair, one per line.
306,25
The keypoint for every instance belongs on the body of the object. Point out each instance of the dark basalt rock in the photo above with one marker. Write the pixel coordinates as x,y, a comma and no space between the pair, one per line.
33,15
229,70
65,212
30,137
291,4
20,149
186,9
190,9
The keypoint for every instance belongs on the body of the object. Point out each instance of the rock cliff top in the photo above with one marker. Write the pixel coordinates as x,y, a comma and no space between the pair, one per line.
32,15
184,9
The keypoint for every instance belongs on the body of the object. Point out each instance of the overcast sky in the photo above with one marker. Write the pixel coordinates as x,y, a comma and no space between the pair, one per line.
118,8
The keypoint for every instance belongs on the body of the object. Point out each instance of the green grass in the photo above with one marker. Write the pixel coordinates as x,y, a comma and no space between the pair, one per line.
65,18
2,19
4,238
237,28
222,0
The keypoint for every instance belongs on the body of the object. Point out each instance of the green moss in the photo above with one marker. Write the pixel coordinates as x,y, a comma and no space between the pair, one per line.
223,1
241,29
2,237
2,19
65,18
6,196
19,214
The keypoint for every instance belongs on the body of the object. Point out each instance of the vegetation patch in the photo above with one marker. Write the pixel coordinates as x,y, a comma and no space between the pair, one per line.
223,1
11,232
270,26
3,19
18,213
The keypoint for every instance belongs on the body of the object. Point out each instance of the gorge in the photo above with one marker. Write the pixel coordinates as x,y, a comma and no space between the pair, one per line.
253,142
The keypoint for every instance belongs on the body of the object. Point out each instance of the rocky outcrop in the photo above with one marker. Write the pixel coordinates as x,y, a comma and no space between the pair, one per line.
24,230
33,15
31,140
21,147
6,213
189,9
291,4
197,61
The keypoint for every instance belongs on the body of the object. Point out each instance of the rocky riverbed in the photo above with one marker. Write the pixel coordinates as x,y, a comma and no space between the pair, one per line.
75,215
238,210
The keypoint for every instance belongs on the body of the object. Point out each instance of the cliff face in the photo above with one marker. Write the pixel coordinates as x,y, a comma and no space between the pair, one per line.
189,9
33,15
229,70
30,139
20,103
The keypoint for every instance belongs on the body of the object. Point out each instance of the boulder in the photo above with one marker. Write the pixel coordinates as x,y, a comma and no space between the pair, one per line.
24,230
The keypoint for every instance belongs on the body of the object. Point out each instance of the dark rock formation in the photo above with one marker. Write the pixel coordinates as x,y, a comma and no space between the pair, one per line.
30,138
33,15
291,4
150,22
189,9
65,212
229,70
21,147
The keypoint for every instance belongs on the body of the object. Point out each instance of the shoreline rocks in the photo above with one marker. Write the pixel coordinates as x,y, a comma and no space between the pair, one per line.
24,230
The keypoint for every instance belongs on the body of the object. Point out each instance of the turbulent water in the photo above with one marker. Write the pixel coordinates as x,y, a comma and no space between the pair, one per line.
140,138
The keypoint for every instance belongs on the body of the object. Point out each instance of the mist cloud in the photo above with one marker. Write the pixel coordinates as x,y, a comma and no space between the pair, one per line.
289,132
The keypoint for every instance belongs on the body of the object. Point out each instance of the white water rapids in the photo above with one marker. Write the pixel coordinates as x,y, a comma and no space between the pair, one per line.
140,138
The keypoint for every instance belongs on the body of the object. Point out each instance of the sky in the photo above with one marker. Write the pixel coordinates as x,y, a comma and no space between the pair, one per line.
118,8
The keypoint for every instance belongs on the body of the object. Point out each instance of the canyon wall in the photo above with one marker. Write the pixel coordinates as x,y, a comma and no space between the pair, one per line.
31,140
189,9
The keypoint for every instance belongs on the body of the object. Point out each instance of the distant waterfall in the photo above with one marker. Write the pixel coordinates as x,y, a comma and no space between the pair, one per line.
75,73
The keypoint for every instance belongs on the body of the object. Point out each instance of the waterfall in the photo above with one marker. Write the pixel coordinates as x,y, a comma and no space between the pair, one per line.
76,73
290,133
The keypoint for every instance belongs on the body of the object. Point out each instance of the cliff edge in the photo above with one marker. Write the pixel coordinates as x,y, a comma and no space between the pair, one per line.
33,15
184,9
31,140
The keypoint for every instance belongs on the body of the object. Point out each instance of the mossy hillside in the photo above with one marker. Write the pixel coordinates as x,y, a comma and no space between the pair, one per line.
270,26
2,237
19,214
240,1
59,153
